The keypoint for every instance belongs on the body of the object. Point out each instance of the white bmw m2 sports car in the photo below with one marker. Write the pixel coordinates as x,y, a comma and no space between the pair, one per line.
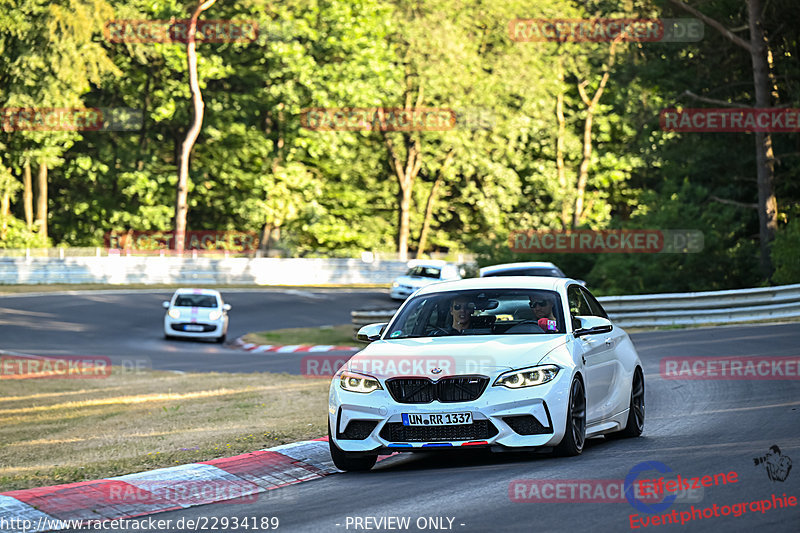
502,363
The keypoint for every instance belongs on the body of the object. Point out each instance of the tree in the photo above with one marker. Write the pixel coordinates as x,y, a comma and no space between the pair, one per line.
181,207
758,48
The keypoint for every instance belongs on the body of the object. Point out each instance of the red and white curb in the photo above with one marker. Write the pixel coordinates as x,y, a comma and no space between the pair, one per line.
146,493
292,348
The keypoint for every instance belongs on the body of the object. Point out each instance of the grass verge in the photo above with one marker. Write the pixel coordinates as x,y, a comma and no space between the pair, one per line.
335,335
55,431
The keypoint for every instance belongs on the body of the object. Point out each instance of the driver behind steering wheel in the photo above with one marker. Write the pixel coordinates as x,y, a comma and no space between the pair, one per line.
461,308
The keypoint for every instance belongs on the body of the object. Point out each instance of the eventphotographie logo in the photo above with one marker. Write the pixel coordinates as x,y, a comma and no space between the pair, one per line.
176,31
378,119
776,464
730,120
606,241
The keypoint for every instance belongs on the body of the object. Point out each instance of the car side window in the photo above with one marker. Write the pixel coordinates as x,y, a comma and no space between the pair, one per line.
577,303
594,305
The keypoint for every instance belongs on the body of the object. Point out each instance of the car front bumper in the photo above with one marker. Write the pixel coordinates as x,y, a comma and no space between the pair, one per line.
212,329
501,417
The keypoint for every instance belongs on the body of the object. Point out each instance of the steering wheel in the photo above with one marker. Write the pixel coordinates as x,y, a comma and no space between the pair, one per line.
436,329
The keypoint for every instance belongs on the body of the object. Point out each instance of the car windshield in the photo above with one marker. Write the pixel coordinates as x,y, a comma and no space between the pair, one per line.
424,272
480,312
535,271
196,300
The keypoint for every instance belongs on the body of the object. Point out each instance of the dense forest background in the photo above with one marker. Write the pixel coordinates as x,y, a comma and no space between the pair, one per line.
513,162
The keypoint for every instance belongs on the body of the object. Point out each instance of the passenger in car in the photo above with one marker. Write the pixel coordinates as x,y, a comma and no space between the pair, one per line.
542,307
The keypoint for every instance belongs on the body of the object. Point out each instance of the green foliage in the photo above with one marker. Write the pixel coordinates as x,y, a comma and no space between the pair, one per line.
319,193
785,253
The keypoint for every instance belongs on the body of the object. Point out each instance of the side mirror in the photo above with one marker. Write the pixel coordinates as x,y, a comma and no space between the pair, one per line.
226,307
591,325
371,332
165,304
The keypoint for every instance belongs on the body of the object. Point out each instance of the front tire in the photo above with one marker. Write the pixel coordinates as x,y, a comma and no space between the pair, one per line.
347,461
221,339
575,433
635,423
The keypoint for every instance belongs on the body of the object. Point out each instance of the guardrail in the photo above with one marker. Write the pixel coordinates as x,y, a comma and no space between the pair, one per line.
673,309
200,271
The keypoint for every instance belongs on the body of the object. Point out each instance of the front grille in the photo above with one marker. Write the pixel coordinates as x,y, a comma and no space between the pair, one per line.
415,390
358,429
526,425
478,430
446,390
206,327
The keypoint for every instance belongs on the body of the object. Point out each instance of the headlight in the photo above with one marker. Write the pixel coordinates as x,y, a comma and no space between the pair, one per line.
174,313
395,284
214,315
527,377
358,383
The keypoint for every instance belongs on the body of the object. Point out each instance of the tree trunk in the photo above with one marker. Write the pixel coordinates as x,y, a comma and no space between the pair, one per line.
562,131
5,204
41,200
767,204
181,202
759,56
27,194
426,222
404,222
591,105
583,172
406,174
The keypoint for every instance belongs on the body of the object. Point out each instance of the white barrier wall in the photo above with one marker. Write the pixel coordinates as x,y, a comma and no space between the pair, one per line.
197,271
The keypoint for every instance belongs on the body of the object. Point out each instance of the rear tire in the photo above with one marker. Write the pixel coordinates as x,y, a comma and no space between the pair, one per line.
635,423
575,433
347,461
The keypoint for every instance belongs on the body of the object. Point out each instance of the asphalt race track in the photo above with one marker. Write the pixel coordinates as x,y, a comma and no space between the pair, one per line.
693,427
129,326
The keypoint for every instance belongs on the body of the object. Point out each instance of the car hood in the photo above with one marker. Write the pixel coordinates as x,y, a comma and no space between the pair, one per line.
484,354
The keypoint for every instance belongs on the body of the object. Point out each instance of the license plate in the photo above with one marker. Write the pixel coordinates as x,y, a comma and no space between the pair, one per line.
190,327
437,419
